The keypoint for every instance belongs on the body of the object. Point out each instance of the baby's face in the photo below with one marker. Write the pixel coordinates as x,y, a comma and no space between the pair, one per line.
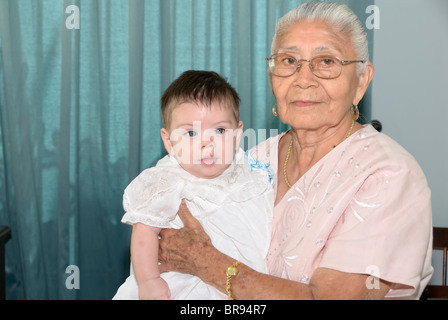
203,139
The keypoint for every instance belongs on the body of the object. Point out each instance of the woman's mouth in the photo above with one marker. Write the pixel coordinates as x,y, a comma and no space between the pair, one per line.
304,103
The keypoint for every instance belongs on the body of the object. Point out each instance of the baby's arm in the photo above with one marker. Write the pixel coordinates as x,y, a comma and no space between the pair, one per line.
144,254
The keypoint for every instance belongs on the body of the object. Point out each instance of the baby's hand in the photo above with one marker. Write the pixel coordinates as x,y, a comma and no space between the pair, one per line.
154,289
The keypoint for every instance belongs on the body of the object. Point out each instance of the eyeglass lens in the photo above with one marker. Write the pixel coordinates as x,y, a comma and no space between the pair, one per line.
326,67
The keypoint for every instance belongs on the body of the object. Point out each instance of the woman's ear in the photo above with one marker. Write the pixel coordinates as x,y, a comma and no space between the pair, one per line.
166,140
270,80
364,82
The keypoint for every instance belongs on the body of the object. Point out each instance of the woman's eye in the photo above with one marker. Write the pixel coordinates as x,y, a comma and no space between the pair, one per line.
325,62
289,61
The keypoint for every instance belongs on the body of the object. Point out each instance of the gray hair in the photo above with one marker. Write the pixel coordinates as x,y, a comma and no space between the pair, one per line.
342,18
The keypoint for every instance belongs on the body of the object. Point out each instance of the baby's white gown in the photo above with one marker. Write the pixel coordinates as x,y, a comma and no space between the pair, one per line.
235,209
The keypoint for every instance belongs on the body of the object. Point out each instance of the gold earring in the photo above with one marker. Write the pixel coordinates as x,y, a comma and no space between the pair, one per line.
355,113
274,111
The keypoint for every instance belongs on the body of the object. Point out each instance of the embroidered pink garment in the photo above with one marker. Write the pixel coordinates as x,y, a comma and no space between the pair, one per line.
364,208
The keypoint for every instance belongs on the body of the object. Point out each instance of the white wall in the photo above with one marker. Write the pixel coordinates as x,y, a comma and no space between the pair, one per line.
410,87
410,90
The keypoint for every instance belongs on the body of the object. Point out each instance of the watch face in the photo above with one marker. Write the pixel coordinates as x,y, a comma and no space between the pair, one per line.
232,271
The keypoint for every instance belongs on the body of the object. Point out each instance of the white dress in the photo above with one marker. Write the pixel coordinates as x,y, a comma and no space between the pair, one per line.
235,210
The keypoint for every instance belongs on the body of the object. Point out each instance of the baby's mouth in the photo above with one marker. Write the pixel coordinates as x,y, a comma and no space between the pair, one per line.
208,161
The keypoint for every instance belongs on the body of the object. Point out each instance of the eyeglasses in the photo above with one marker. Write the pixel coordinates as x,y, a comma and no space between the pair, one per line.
325,67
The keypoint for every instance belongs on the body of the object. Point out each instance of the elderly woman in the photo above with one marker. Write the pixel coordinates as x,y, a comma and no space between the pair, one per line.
352,215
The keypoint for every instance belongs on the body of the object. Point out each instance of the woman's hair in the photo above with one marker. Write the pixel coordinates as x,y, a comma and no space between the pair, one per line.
341,17
199,87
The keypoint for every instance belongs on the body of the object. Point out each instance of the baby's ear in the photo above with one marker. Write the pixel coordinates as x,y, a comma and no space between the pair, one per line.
166,140
238,134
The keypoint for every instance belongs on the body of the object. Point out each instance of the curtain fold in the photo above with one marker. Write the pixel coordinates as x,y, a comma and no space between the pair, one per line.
79,119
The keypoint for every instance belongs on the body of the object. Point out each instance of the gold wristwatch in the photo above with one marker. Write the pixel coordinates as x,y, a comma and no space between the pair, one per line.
231,272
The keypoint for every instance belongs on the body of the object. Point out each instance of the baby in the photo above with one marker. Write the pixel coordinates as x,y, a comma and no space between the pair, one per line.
206,167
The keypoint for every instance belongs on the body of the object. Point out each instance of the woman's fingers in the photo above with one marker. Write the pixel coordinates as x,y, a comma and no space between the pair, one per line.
179,249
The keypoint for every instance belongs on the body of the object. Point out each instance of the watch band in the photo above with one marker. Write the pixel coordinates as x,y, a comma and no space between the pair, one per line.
231,272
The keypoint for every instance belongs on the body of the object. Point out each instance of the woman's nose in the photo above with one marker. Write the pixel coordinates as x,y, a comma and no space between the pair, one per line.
304,77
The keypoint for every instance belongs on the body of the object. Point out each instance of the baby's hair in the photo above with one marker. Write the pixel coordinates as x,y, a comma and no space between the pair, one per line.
199,87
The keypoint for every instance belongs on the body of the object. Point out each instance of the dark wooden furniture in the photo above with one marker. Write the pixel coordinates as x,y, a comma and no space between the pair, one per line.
5,233
440,242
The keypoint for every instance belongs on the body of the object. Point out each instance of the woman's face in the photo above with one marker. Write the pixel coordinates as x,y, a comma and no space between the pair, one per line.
305,101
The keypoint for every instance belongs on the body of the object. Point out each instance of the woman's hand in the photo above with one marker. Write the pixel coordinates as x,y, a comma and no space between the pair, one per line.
184,250
189,250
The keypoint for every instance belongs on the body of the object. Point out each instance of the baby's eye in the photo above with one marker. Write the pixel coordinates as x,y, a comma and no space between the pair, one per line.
191,133
220,130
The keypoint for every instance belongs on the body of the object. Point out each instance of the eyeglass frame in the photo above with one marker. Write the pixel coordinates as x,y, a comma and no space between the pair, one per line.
299,65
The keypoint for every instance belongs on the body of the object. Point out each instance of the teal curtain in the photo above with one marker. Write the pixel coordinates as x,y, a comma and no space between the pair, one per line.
79,119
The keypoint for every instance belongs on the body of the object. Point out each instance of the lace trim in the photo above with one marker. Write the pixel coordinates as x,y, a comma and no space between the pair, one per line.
154,196
158,221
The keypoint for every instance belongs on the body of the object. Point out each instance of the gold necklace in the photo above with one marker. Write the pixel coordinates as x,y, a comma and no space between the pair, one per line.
349,133
286,162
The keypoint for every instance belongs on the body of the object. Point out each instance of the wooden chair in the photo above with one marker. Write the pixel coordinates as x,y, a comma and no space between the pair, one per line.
440,242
